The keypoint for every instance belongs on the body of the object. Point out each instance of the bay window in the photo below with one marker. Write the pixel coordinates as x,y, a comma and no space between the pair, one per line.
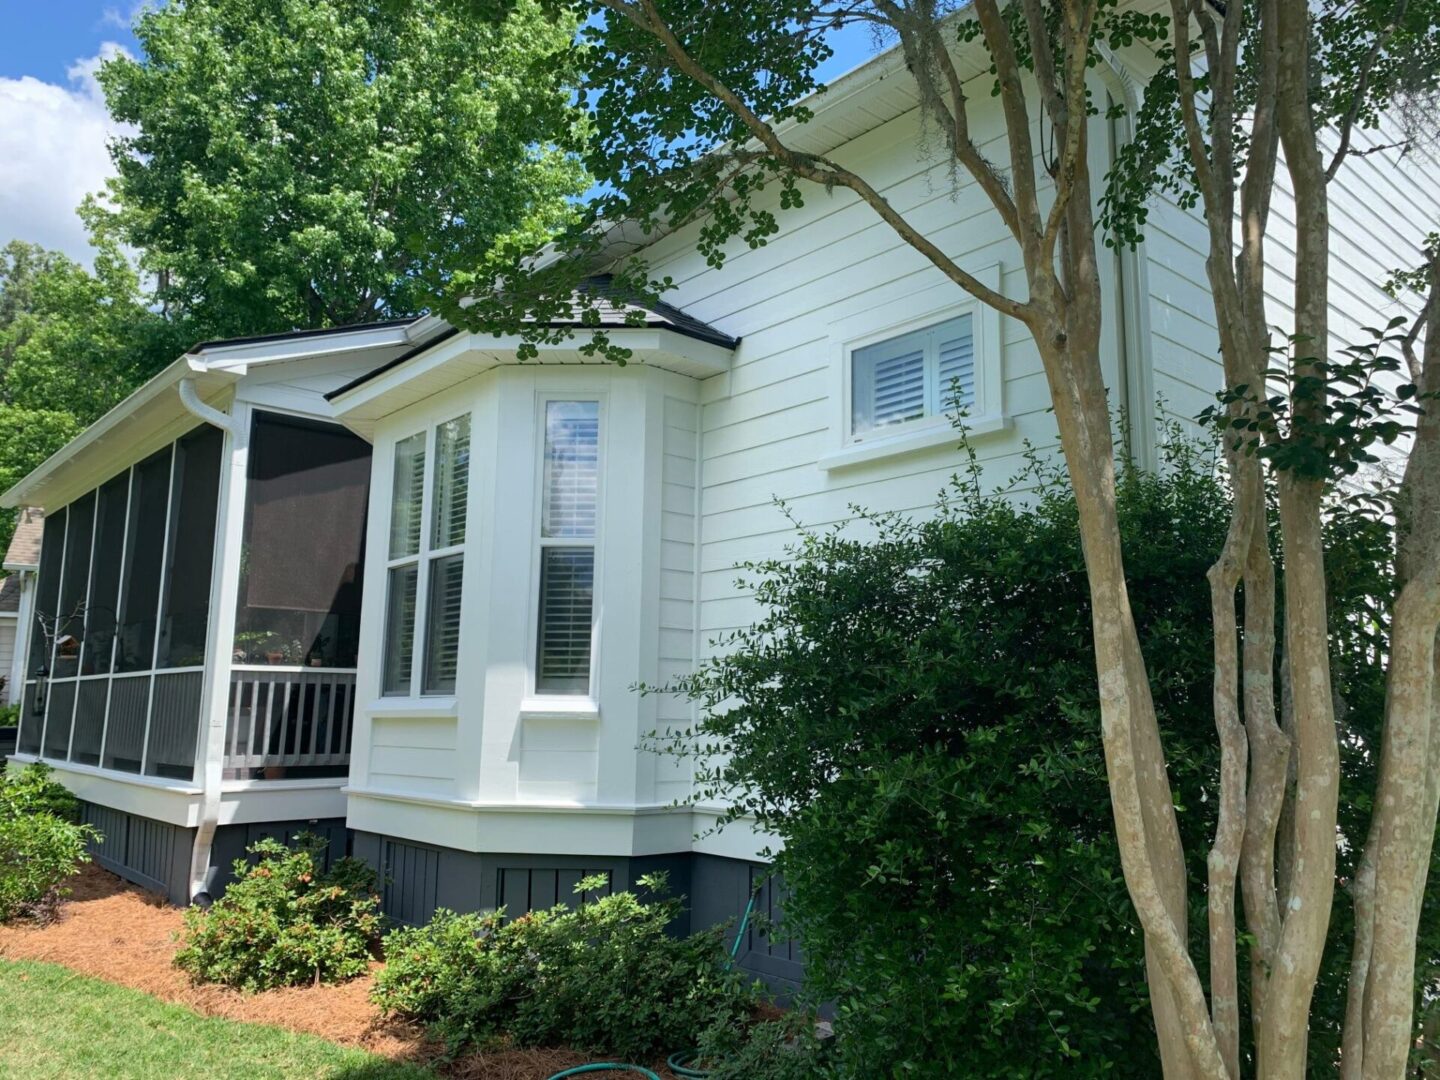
569,510
426,564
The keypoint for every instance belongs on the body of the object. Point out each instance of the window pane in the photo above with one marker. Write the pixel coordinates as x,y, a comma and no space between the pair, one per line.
888,382
442,634
400,629
74,582
300,585
192,548
144,553
409,488
572,459
452,482
567,580
956,345
101,614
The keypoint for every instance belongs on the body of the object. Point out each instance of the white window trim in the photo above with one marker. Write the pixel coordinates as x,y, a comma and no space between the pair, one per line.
423,560
926,309
550,704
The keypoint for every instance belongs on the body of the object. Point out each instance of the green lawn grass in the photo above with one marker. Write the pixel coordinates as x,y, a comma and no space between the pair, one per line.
57,1025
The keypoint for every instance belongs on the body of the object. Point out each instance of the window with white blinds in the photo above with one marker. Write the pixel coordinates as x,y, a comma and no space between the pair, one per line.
569,511
923,373
426,566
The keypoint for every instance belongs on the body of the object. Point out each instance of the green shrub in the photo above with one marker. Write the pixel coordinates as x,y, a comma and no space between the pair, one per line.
284,921
783,1049
605,977
40,843
915,716
10,715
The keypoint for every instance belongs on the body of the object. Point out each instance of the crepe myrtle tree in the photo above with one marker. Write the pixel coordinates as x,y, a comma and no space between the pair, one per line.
695,109
1243,90
694,104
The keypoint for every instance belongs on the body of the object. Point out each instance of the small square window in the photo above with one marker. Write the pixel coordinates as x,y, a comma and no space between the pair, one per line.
920,374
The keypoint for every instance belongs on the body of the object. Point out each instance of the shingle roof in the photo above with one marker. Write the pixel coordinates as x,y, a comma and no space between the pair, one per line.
10,594
24,547
615,310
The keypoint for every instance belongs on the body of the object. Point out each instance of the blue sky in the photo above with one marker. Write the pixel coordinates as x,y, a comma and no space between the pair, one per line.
43,38
54,126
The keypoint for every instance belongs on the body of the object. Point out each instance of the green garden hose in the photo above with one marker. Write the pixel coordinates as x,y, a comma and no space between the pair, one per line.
678,1062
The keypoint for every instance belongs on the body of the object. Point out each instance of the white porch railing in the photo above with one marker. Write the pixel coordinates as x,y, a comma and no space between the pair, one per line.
283,718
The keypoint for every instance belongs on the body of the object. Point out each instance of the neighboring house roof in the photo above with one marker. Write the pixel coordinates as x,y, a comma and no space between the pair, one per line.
24,550
616,312
10,596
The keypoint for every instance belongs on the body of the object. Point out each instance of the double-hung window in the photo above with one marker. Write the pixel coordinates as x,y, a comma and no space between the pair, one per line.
569,512
924,373
426,560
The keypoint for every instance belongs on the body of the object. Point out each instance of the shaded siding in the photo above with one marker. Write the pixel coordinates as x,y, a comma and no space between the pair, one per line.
175,725
125,734
89,721
59,714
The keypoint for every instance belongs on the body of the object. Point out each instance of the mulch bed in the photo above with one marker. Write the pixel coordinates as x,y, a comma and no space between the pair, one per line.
116,931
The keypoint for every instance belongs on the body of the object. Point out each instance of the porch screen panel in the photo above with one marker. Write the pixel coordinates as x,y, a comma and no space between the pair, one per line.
47,590
144,559
57,720
47,596
308,490
125,728
191,549
174,725
102,616
74,582
89,721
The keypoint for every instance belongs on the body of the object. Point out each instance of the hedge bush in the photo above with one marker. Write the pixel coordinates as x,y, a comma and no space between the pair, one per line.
605,977
915,716
41,844
285,921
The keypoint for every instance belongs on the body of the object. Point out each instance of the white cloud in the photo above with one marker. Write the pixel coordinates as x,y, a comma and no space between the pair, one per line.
52,154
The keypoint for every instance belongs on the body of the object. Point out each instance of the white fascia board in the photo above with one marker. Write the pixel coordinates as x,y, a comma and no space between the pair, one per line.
222,357
471,354
107,445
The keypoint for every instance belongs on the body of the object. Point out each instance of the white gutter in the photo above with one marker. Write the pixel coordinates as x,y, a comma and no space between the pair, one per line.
211,750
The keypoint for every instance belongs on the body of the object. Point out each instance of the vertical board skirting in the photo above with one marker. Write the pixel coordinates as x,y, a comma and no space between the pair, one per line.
152,854
523,889
412,882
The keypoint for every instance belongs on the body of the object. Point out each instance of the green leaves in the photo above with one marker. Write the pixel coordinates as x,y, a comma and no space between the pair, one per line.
307,163
605,976
285,921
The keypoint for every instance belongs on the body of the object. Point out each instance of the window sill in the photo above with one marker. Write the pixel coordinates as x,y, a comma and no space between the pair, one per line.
909,442
419,708
560,708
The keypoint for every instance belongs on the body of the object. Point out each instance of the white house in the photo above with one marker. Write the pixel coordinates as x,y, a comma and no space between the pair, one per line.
543,535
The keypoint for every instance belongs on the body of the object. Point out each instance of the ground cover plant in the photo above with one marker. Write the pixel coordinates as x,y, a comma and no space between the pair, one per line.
57,1025
915,717
285,921
41,844
605,976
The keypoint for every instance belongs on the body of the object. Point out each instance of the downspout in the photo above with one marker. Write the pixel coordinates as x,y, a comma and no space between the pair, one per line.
212,732
1132,304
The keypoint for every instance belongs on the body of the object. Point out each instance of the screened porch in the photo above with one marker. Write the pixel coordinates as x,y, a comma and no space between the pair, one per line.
126,650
